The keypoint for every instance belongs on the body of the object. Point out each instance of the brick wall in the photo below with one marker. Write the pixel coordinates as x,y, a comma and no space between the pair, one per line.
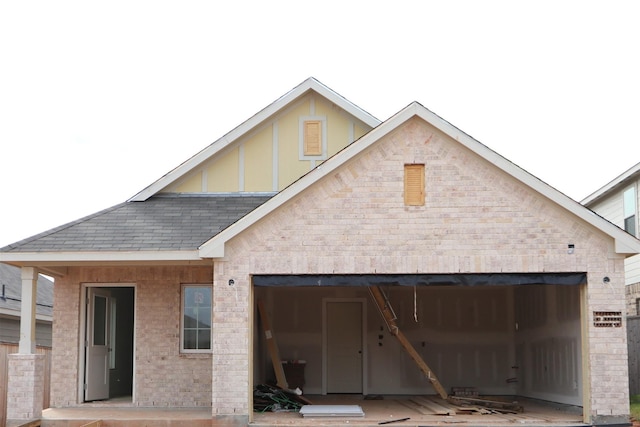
25,387
632,293
476,219
163,376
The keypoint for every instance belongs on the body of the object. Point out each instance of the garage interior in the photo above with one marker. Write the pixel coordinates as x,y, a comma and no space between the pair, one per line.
510,337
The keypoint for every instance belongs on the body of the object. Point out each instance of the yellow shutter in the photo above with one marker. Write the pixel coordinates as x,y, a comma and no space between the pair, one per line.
313,138
414,185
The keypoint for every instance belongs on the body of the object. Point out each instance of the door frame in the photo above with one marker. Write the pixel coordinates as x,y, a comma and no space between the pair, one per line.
325,354
84,294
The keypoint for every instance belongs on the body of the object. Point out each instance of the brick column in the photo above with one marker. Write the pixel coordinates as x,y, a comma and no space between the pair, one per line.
25,391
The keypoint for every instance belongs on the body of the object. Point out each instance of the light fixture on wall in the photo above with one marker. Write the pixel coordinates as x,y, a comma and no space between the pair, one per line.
231,282
571,248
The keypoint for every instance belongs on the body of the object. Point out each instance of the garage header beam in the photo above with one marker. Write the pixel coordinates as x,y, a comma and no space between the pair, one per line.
462,279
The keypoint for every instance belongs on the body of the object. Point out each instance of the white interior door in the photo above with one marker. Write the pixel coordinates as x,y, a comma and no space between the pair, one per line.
344,347
97,345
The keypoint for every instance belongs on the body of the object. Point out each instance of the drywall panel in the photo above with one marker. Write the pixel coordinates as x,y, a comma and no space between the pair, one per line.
466,335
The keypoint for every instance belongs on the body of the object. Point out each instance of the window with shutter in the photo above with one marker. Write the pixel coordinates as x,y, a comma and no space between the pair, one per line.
414,185
313,138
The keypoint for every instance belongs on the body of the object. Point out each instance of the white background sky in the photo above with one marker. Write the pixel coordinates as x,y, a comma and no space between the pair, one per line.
100,99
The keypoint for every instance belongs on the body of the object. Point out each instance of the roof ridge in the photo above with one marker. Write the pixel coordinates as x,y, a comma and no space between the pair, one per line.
59,228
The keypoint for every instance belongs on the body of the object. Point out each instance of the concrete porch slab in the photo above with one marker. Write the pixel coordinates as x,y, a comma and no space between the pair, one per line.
127,416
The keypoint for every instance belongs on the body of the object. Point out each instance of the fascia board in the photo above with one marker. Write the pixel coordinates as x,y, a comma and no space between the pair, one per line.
214,247
603,191
343,103
624,242
248,126
132,256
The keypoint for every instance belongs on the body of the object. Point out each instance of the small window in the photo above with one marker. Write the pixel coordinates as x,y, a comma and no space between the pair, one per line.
313,138
414,185
629,210
196,318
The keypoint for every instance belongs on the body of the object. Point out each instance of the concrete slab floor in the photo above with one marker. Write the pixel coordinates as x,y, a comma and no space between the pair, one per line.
127,416
394,411
387,409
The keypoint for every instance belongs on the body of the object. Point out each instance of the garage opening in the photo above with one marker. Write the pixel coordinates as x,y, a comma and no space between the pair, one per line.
516,335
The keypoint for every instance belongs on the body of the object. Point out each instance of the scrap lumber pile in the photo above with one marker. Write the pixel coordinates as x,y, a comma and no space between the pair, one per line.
491,406
434,405
275,399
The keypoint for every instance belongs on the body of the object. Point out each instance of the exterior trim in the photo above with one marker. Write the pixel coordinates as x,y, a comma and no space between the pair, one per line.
460,279
275,163
323,138
52,257
621,179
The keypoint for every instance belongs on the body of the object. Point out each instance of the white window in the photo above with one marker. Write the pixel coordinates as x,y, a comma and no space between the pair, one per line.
196,319
629,210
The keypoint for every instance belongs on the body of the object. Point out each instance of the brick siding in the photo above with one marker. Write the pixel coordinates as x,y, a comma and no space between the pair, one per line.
476,219
163,376
25,386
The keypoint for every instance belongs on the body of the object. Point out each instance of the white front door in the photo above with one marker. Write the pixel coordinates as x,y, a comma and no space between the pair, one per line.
97,345
344,346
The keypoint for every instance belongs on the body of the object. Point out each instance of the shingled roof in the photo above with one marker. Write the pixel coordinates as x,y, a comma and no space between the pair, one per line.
161,223
11,296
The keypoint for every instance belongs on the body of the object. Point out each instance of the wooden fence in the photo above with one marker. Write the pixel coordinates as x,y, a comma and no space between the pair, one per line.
7,349
633,342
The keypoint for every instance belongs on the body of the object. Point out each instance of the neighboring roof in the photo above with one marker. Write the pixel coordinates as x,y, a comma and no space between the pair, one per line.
624,242
161,228
10,300
631,174
283,102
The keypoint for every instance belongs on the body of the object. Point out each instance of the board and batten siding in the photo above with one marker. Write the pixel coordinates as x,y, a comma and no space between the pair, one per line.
268,158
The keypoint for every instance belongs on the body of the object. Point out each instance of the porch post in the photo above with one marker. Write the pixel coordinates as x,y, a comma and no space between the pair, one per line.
25,385
27,343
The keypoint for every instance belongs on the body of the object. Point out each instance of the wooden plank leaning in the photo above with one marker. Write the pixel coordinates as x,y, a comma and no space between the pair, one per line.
281,380
389,318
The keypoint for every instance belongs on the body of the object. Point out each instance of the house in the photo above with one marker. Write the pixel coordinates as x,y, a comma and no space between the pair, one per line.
498,281
618,201
11,299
